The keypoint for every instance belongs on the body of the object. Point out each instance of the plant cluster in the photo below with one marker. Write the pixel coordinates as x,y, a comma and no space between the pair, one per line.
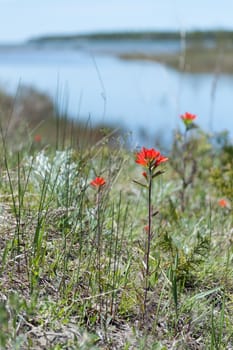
95,256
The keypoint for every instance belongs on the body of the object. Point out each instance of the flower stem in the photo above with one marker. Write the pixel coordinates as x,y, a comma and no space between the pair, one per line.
184,182
148,242
99,249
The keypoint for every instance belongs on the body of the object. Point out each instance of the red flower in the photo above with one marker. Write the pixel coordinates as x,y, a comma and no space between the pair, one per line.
149,158
98,182
222,203
188,118
37,138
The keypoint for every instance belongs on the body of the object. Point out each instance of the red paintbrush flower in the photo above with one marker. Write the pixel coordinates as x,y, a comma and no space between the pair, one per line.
160,159
222,203
98,182
188,118
149,158
37,138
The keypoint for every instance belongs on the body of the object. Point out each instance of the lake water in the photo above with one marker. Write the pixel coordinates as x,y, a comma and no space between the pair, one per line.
143,97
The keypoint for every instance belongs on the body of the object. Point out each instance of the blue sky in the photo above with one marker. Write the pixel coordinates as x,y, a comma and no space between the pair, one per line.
23,19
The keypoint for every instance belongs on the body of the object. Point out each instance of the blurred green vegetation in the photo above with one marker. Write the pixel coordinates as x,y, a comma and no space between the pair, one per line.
31,113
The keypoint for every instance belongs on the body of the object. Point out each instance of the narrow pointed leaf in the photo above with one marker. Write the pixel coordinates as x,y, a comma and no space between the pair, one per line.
160,172
139,183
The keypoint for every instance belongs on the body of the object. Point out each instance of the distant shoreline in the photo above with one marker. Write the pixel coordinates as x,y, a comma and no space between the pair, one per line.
140,35
200,51
217,61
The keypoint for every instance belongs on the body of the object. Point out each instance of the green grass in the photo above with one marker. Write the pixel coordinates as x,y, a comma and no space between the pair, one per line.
73,259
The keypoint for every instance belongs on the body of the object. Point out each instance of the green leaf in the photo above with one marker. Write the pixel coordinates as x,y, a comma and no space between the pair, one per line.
192,126
205,294
139,183
160,172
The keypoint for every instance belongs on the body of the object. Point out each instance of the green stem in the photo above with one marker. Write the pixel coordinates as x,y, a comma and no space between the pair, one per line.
184,170
99,251
148,243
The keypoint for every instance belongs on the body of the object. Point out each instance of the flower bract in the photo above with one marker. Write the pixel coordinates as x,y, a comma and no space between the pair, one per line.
37,138
149,158
98,182
188,118
222,203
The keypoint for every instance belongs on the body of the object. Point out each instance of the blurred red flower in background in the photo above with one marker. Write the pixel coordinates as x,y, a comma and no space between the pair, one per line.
37,138
188,118
222,203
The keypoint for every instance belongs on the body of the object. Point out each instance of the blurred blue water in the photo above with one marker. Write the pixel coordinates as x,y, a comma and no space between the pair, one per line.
142,97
